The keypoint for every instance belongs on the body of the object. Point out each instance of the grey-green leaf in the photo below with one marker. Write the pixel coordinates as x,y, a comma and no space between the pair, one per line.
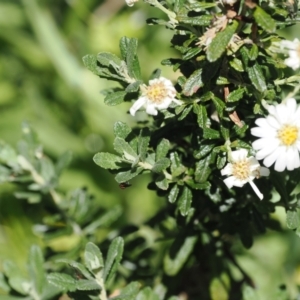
107,160
185,201
130,292
114,98
93,258
127,175
122,147
90,62
162,149
121,130
193,83
113,259
63,281
235,95
292,219
36,268
257,77
87,285
173,194
264,20
172,265
218,45
143,142
161,165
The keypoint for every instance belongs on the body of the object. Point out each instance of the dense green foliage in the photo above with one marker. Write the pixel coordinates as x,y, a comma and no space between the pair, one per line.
183,239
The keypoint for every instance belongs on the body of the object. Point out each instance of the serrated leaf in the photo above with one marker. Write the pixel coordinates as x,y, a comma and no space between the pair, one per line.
93,258
114,98
36,268
162,149
130,292
90,62
185,201
62,281
78,266
292,219
113,259
161,165
235,95
87,285
173,194
264,20
107,160
193,83
183,247
218,45
127,175
121,130
257,77
122,147
204,150
200,111
202,169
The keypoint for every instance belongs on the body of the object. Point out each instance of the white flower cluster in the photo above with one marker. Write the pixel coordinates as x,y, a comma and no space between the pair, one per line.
159,94
243,169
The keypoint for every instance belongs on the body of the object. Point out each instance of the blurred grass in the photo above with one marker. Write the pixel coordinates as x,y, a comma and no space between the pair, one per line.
43,81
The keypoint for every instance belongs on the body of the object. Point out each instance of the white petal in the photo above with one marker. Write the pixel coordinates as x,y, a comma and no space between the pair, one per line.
263,132
292,156
151,110
273,122
239,154
164,104
265,143
281,162
270,159
264,171
137,105
256,190
227,170
291,105
229,181
266,150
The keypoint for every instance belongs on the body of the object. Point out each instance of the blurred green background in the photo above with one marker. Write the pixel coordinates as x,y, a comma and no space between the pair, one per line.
43,81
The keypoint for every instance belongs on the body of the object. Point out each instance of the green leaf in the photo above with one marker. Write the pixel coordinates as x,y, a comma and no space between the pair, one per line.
173,194
90,62
200,111
87,285
78,266
122,147
114,98
107,160
113,259
196,185
253,53
185,201
218,45
264,20
183,247
130,292
132,61
121,130
176,167
292,219
210,134
62,281
235,95
93,258
204,20
133,87
161,165
162,149
143,142
147,294
257,78
193,83
36,268
162,182
202,169
237,64
63,161
107,59
127,175
219,104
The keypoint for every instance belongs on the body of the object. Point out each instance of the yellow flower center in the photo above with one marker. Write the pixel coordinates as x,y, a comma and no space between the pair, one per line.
157,92
288,135
241,169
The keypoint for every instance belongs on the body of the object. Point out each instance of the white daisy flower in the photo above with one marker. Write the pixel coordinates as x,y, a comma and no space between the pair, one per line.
293,61
159,94
243,169
131,2
279,136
